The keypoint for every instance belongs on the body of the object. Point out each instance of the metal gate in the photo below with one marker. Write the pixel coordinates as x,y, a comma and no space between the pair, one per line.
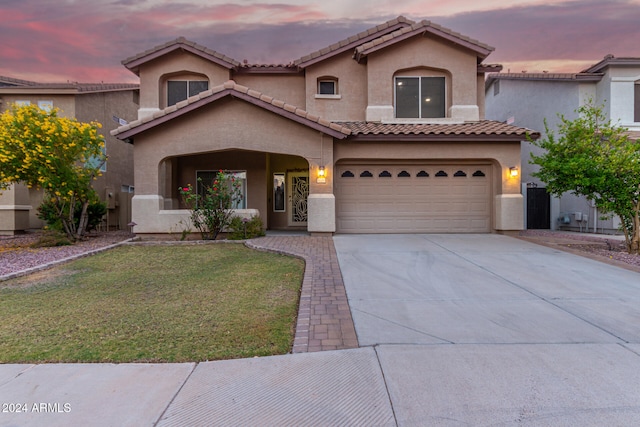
538,209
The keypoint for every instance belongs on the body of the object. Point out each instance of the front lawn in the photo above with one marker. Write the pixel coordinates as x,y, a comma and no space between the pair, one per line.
153,304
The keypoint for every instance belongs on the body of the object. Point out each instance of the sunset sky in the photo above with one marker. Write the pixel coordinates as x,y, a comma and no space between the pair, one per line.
86,40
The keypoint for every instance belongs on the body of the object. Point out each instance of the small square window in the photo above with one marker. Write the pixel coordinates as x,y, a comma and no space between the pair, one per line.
46,105
327,87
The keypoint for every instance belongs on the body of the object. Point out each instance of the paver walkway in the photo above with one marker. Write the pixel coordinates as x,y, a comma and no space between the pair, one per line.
324,317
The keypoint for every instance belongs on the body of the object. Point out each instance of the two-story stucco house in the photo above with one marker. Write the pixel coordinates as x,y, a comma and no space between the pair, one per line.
382,132
527,99
86,102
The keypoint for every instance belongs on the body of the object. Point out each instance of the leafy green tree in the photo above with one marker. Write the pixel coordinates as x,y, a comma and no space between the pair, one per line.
591,157
42,150
212,210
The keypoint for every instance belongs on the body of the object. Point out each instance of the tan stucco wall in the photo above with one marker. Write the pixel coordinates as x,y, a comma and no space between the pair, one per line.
287,88
101,107
64,102
352,89
223,126
423,53
175,64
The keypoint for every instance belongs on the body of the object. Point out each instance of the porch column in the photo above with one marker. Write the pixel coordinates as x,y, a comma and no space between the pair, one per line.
321,202
321,210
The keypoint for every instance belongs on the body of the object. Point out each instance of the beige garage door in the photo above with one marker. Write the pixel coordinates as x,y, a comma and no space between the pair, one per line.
413,198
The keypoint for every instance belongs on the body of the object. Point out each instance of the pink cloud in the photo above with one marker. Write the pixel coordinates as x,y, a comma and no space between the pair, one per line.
85,41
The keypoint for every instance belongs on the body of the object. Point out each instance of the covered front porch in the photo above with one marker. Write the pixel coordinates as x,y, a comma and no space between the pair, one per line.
283,190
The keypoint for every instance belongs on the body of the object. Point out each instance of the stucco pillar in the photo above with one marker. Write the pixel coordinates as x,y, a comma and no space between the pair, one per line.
509,212
321,209
14,209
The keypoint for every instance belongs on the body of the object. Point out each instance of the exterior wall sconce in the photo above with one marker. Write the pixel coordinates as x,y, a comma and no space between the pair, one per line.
513,172
321,176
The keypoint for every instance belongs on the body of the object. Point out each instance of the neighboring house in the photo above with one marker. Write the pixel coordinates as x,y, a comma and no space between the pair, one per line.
86,102
527,99
380,133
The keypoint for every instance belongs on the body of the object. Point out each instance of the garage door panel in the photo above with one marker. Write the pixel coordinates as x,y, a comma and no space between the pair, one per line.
413,203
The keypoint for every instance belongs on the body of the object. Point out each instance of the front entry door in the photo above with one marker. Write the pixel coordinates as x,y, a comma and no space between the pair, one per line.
298,191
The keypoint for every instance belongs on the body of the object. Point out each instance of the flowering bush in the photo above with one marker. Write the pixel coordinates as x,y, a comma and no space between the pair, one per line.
212,209
42,150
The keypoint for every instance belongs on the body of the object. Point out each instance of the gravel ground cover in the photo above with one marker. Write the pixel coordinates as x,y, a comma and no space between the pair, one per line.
17,253
601,247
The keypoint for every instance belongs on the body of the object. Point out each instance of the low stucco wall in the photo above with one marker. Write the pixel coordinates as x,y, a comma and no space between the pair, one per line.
150,218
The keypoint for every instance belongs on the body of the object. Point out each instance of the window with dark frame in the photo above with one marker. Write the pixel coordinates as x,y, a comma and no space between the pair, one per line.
205,179
636,100
420,97
179,90
327,87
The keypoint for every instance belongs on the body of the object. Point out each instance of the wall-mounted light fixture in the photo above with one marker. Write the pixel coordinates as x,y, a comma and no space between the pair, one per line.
321,175
513,172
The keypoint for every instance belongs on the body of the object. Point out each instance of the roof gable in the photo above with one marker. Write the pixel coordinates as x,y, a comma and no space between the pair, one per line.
421,28
232,89
133,63
609,60
352,42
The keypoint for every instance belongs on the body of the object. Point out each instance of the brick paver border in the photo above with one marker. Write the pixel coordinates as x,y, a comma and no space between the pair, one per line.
324,317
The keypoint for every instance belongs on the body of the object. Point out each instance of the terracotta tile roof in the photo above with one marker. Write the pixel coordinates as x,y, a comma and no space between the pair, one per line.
469,129
612,60
133,63
353,41
548,76
482,49
231,88
552,77
9,83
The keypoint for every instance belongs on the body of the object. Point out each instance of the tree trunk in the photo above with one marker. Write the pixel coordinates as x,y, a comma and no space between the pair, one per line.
84,220
634,246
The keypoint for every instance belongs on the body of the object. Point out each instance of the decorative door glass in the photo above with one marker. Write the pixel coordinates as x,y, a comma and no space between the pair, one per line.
298,193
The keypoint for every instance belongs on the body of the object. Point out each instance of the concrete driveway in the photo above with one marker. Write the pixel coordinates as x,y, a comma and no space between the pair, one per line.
492,330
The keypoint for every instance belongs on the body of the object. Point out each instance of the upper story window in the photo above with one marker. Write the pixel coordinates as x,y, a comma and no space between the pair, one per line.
327,87
636,100
420,97
179,90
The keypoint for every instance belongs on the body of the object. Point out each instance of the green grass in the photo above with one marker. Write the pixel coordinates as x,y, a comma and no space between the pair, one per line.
153,304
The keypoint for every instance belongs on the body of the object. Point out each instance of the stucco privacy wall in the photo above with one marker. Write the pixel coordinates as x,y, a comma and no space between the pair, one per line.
219,127
508,202
458,64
